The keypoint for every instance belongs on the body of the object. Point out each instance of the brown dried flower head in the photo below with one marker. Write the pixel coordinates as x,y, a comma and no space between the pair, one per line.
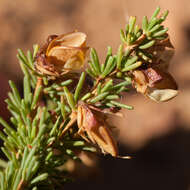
62,54
158,85
94,125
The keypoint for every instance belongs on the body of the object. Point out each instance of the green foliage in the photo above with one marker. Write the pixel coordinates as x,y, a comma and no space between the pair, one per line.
33,142
138,42
32,136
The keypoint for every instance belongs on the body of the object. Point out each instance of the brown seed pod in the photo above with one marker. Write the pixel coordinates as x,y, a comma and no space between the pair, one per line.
156,84
62,54
96,129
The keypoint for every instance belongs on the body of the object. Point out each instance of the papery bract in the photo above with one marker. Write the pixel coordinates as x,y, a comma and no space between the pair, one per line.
62,54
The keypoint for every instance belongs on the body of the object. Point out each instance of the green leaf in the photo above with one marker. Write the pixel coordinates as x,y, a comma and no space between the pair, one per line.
78,143
52,132
43,115
24,61
14,121
79,86
119,56
30,59
160,33
112,66
156,12
89,148
27,90
69,97
128,39
9,173
132,21
27,174
7,153
12,136
36,97
99,97
24,69
112,97
41,132
17,179
109,67
39,178
6,125
136,30
22,55
143,56
163,17
2,180
63,111
28,158
15,92
131,60
35,50
92,68
107,86
35,167
147,45
50,154
145,23
121,105
122,36
67,82
152,23
132,67
127,28
99,87
95,60
14,160
125,83
138,34
45,81
121,89
86,96
109,53
155,28
91,73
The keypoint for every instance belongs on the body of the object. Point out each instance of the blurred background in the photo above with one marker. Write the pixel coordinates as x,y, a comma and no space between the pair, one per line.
156,135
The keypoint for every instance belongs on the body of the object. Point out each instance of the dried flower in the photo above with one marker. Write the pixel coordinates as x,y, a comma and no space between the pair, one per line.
156,84
62,54
96,129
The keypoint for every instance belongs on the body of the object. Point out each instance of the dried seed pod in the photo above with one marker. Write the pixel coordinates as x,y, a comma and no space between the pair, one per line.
96,129
62,54
156,84
164,89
